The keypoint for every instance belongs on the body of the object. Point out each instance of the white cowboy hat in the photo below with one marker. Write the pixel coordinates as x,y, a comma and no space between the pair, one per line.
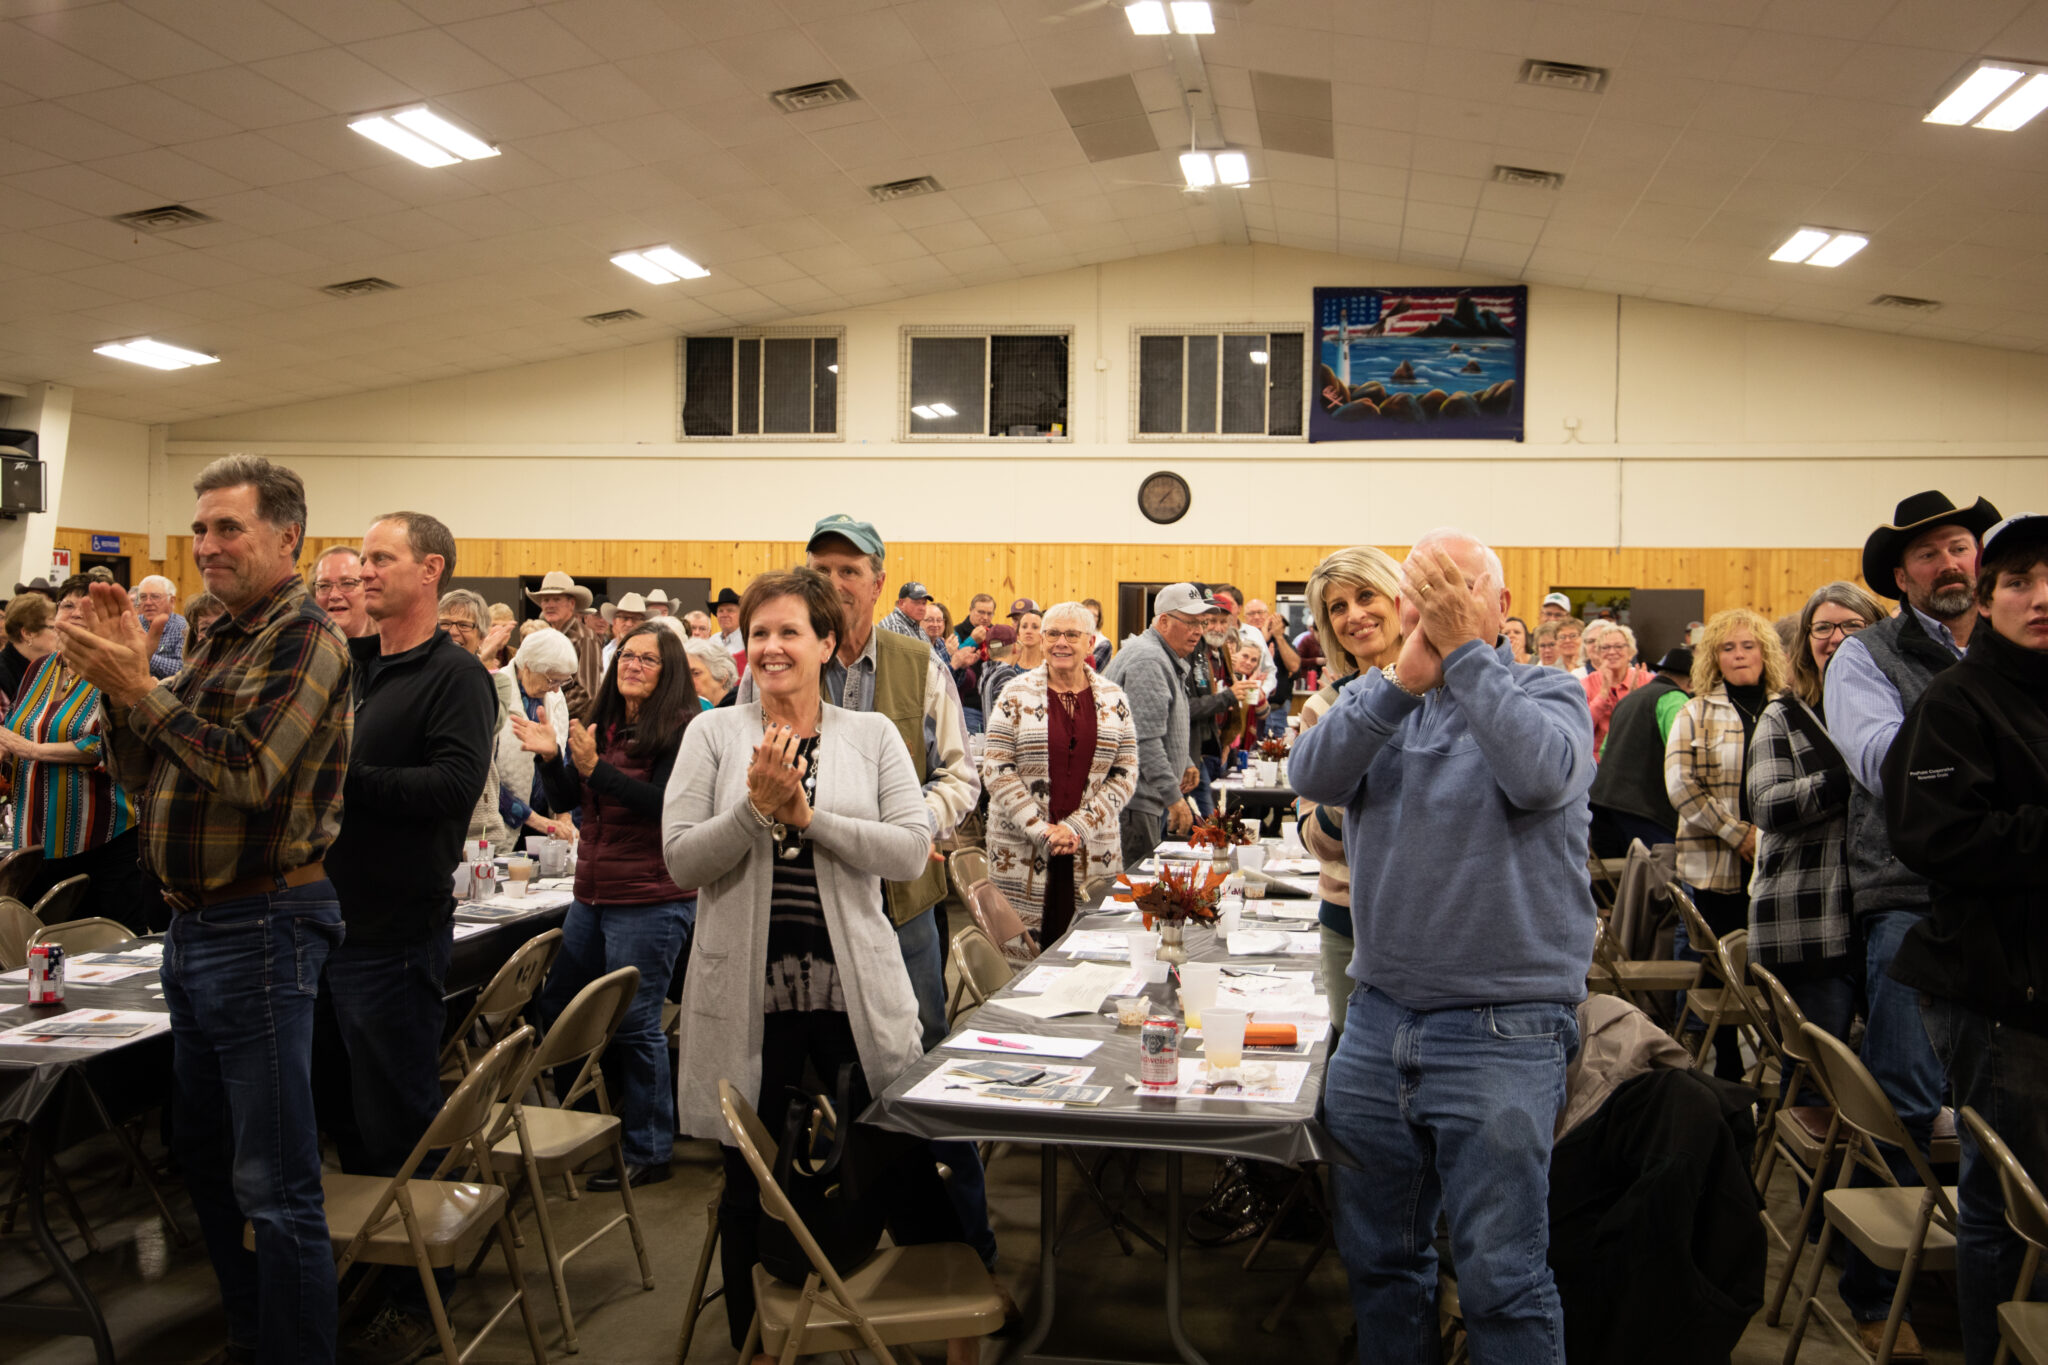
559,582
633,604
659,596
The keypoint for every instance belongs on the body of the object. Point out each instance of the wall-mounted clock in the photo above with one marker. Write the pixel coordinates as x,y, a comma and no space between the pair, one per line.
1164,497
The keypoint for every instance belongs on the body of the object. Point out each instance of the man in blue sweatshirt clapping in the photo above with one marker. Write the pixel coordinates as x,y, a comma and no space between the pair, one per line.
1463,776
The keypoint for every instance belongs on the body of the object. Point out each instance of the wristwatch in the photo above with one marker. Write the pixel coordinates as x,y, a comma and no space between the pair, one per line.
1394,678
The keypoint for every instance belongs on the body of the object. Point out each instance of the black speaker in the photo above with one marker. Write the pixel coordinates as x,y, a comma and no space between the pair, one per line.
18,438
21,485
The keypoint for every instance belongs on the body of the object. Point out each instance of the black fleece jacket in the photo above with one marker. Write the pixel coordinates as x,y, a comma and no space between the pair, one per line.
416,762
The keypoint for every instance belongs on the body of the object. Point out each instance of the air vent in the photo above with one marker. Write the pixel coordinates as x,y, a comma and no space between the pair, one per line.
355,289
903,189
615,317
800,99
165,218
1585,80
1907,302
1522,175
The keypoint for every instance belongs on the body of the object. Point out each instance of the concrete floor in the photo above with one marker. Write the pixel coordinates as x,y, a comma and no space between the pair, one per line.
161,1299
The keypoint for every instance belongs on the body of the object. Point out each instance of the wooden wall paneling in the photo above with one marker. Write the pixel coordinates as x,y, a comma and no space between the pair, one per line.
78,540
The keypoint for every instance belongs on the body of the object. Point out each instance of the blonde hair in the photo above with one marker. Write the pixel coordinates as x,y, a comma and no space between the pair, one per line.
1808,682
1706,656
1357,566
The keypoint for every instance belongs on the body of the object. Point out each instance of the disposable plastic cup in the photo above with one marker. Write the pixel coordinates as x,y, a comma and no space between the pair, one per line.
1223,1038
1252,857
1144,946
1132,1010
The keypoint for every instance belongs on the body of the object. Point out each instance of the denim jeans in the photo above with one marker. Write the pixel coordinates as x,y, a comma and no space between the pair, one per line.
1275,724
377,1047
1138,833
240,979
597,940
972,715
1449,1109
1898,1055
2002,1073
1204,795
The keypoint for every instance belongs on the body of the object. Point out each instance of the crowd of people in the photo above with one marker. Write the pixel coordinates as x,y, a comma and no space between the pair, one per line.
760,796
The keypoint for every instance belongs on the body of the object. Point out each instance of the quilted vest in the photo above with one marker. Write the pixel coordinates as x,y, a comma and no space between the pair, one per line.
900,671
1910,658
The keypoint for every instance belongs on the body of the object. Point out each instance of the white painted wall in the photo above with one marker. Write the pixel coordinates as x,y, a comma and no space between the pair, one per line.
106,483
1694,427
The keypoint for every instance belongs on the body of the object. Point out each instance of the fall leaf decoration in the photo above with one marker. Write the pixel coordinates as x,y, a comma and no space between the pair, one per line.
1177,896
1217,832
1274,749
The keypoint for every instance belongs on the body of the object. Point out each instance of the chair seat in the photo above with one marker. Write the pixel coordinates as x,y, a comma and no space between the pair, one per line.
563,1139
920,1293
453,1216
2025,1328
1803,1128
1944,1147
1656,975
1880,1222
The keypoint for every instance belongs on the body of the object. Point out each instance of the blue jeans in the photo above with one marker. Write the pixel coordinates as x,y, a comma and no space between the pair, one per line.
968,1189
2002,1073
597,940
1204,795
972,715
1898,1055
377,1049
1449,1109
1275,725
240,979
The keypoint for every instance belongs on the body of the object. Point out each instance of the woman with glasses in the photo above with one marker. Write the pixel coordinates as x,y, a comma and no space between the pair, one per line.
1570,635
627,912
1060,763
464,616
546,663
1799,913
1611,649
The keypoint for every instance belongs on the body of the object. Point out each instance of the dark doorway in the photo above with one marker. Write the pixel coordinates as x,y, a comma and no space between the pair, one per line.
1659,617
117,565
1134,608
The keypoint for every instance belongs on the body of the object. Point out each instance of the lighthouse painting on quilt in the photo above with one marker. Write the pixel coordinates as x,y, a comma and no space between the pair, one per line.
1419,364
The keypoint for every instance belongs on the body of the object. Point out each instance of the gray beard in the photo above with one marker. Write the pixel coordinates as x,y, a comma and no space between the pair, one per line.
1949,603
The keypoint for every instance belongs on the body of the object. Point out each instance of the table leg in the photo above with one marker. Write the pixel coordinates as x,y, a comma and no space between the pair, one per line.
1174,1233
1048,1235
84,1320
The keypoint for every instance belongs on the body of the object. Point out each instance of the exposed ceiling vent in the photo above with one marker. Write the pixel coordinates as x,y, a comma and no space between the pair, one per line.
164,218
904,189
1585,80
1906,301
1522,175
615,317
799,99
355,289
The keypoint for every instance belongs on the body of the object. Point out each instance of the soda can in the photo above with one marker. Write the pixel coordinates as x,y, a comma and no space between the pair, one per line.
53,981
38,972
1159,1053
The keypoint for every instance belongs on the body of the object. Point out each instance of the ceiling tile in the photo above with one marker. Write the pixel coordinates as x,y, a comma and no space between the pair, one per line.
524,42
242,97
239,30
48,69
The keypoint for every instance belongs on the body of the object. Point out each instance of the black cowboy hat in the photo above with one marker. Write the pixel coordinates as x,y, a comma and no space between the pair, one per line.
1919,513
726,598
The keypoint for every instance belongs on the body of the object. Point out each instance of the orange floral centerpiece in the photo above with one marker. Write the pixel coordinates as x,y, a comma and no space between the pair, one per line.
1274,749
1218,833
1176,896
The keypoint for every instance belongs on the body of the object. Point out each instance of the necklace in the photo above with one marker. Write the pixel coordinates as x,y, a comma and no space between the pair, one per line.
1746,712
788,842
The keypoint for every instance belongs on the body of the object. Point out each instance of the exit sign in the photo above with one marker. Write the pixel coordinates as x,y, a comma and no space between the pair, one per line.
106,545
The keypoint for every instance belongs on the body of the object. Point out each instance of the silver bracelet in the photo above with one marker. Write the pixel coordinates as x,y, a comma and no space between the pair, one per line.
1395,679
763,821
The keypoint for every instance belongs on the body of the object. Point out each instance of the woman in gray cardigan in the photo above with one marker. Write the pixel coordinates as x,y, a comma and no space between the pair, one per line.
788,814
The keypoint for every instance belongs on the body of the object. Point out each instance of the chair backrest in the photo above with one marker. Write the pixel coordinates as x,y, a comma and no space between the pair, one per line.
1862,1105
967,868
1640,901
2025,1209
17,922
61,901
18,869
582,1032
83,935
743,1125
1700,936
994,913
983,968
504,998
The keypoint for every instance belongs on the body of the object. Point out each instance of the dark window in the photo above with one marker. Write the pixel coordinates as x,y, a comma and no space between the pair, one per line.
1159,383
707,386
760,386
1221,383
988,385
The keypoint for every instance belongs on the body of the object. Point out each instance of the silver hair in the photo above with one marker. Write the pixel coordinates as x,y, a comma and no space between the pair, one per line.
547,652
470,602
1063,610
717,662
1442,533
156,582
1599,628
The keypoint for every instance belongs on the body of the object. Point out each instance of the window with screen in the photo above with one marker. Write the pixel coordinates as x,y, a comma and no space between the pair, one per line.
1217,384
766,385
978,384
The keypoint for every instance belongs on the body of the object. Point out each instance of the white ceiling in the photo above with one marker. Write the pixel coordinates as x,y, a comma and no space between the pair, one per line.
628,122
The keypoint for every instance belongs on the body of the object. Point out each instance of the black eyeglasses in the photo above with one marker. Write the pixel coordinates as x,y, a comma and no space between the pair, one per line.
1823,630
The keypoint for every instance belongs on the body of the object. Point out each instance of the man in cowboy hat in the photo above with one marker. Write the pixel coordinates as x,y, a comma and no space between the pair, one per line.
1926,557
727,610
626,617
658,603
562,602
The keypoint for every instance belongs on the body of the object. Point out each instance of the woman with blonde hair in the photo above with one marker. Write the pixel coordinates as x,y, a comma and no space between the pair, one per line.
1060,763
1611,649
1738,666
1354,598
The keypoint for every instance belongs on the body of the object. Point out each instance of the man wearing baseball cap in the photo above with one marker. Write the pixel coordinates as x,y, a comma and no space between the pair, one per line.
1150,668
1926,557
908,618
1966,795
1555,607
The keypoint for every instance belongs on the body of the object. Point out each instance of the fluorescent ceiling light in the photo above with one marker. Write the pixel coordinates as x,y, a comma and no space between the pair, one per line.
1258,357
444,134
944,410
1233,168
1800,245
1985,84
2017,108
1148,17
1199,169
1192,16
421,135
659,265
922,411
155,354
1845,245
407,144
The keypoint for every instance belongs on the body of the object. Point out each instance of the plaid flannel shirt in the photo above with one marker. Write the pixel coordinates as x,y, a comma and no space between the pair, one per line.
237,763
1799,906
1703,778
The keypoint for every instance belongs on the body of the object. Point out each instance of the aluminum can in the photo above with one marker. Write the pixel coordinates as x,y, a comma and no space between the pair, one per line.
46,974
1159,1053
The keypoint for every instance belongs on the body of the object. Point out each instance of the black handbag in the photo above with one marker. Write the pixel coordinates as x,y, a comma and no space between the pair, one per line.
832,1176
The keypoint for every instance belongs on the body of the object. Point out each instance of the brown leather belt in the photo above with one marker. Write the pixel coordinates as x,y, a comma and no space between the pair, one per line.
262,884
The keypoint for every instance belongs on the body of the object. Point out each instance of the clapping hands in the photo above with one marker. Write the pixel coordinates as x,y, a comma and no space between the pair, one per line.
775,783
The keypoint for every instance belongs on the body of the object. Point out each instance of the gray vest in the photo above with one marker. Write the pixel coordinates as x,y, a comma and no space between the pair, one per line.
1910,659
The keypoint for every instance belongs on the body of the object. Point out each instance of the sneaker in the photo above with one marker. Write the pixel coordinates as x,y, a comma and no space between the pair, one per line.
393,1337
1905,1347
636,1176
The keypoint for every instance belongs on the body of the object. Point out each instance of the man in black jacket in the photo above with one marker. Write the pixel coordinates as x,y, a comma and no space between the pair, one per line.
424,712
1966,799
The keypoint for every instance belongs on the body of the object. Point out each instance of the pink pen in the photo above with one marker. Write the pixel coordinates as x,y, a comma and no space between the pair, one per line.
998,1042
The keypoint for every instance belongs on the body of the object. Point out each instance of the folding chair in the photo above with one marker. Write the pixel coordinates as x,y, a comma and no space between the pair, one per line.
1605,876
498,1006
17,923
526,1140
18,869
699,1300
1732,956
2022,1324
1899,1229
434,1222
1001,922
1638,981
77,936
1713,1001
980,971
966,868
898,1295
1807,1136
61,901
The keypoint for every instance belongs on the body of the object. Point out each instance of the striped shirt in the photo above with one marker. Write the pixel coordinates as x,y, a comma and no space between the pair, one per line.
238,761
66,808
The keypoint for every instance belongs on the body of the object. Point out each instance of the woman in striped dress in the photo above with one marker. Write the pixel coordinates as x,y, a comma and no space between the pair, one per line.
64,800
